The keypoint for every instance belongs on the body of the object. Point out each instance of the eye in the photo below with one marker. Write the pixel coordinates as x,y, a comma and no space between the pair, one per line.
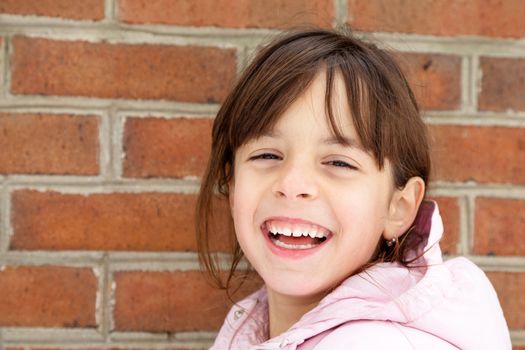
340,164
265,156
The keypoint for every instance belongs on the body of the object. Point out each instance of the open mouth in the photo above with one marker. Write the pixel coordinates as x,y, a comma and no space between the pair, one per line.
296,236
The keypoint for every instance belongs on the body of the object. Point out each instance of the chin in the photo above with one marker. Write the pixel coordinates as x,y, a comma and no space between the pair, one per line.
298,286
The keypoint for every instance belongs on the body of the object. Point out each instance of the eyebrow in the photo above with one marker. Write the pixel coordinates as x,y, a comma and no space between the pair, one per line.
344,141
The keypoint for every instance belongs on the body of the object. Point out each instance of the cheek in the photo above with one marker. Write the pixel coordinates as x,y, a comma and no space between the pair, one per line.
242,201
361,206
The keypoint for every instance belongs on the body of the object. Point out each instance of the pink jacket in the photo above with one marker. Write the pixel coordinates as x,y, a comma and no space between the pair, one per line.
448,305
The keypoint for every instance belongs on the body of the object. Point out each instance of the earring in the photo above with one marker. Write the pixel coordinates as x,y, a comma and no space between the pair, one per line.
391,242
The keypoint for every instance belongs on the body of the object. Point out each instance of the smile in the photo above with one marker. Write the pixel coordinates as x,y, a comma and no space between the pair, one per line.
295,234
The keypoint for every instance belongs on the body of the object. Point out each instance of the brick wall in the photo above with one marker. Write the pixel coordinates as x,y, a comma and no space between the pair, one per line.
105,114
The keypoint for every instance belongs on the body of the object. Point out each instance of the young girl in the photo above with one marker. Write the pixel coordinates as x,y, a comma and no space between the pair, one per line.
322,154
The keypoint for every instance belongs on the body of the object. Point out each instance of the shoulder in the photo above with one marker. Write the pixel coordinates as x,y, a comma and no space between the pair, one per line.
379,335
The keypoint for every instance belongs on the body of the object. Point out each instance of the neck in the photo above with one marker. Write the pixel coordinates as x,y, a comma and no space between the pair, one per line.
285,310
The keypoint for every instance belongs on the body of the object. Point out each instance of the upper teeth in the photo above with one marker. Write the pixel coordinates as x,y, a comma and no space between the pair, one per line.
296,230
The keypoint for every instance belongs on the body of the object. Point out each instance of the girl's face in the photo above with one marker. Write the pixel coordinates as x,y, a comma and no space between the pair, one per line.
309,211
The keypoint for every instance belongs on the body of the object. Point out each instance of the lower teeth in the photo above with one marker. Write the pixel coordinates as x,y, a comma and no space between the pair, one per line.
292,246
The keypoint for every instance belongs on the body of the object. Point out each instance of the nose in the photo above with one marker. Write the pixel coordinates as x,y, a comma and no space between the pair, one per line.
295,181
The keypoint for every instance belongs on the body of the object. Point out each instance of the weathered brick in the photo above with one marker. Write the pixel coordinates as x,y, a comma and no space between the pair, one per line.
510,287
108,221
85,9
449,210
502,84
499,226
156,147
472,17
434,78
170,301
48,144
75,68
226,13
478,153
47,296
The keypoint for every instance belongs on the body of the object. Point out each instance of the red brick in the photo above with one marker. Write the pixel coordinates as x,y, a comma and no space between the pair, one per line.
510,287
76,68
170,301
481,154
227,13
499,226
435,79
156,147
466,17
449,210
85,9
48,144
109,221
47,296
502,84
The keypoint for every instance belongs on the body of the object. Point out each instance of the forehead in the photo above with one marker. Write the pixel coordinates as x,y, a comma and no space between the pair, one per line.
327,114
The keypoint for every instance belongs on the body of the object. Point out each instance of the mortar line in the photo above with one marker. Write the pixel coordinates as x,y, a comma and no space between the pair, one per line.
464,228
466,85
105,289
189,186
518,337
112,140
3,68
3,221
41,258
44,337
476,76
104,140
341,13
7,51
81,104
471,234
472,120
240,60
488,190
119,153
186,340
162,115
110,11
111,288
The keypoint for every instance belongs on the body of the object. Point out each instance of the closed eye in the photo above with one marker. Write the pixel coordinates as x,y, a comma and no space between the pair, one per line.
340,164
265,156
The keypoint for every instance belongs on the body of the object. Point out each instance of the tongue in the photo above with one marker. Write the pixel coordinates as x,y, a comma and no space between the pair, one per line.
298,240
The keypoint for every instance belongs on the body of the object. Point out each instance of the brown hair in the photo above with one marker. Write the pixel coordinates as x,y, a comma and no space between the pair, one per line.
383,109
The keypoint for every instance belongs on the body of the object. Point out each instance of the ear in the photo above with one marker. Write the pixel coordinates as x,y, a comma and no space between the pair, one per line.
403,207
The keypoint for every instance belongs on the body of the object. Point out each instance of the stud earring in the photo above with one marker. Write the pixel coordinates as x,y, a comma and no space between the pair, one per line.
391,242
